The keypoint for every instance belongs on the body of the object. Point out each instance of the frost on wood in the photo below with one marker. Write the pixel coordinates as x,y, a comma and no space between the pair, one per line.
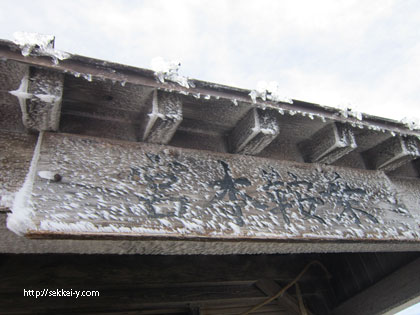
35,44
255,131
269,91
164,117
168,70
119,188
393,153
329,144
21,218
39,95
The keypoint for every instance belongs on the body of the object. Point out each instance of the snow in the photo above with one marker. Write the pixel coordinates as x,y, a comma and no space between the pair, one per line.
20,220
6,198
153,115
269,91
168,70
48,98
411,122
38,45
46,175
350,110
22,95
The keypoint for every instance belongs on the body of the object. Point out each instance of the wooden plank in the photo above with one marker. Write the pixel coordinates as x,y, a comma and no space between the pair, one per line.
119,189
15,244
164,117
40,95
393,153
255,131
390,292
329,144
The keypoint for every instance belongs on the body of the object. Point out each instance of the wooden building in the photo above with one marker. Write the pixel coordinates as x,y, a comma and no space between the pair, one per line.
169,195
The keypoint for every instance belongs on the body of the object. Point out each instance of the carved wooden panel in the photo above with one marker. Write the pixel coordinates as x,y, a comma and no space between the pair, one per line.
91,186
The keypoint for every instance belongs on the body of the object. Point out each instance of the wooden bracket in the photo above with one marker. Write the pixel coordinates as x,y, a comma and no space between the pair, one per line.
164,118
255,131
40,94
393,153
328,144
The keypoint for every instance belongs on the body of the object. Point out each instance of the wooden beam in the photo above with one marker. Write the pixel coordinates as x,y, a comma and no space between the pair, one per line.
164,117
387,294
40,94
329,144
114,189
393,153
255,131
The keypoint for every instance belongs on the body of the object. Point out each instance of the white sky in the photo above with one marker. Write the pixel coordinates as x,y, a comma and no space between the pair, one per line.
336,53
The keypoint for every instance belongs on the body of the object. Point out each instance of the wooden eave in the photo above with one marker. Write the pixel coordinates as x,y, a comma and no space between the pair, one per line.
99,105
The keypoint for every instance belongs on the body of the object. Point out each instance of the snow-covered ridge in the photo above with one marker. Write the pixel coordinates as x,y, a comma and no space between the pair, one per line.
168,70
269,91
38,45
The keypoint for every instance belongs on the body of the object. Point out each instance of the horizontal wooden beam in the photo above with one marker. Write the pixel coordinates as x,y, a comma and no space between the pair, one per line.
164,117
329,144
255,131
40,94
394,290
87,187
393,153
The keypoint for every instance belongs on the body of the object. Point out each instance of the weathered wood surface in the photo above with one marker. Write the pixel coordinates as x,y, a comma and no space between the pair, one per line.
40,94
15,157
255,131
393,153
119,189
394,290
329,144
165,114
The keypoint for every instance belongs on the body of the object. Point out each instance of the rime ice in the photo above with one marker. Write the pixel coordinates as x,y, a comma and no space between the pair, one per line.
269,91
168,70
38,45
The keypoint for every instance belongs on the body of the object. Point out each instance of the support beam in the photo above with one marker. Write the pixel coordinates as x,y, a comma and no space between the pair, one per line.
164,117
40,94
393,153
255,131
329,144
394,290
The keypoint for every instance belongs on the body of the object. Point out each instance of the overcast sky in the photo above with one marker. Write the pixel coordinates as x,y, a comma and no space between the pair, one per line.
336,53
